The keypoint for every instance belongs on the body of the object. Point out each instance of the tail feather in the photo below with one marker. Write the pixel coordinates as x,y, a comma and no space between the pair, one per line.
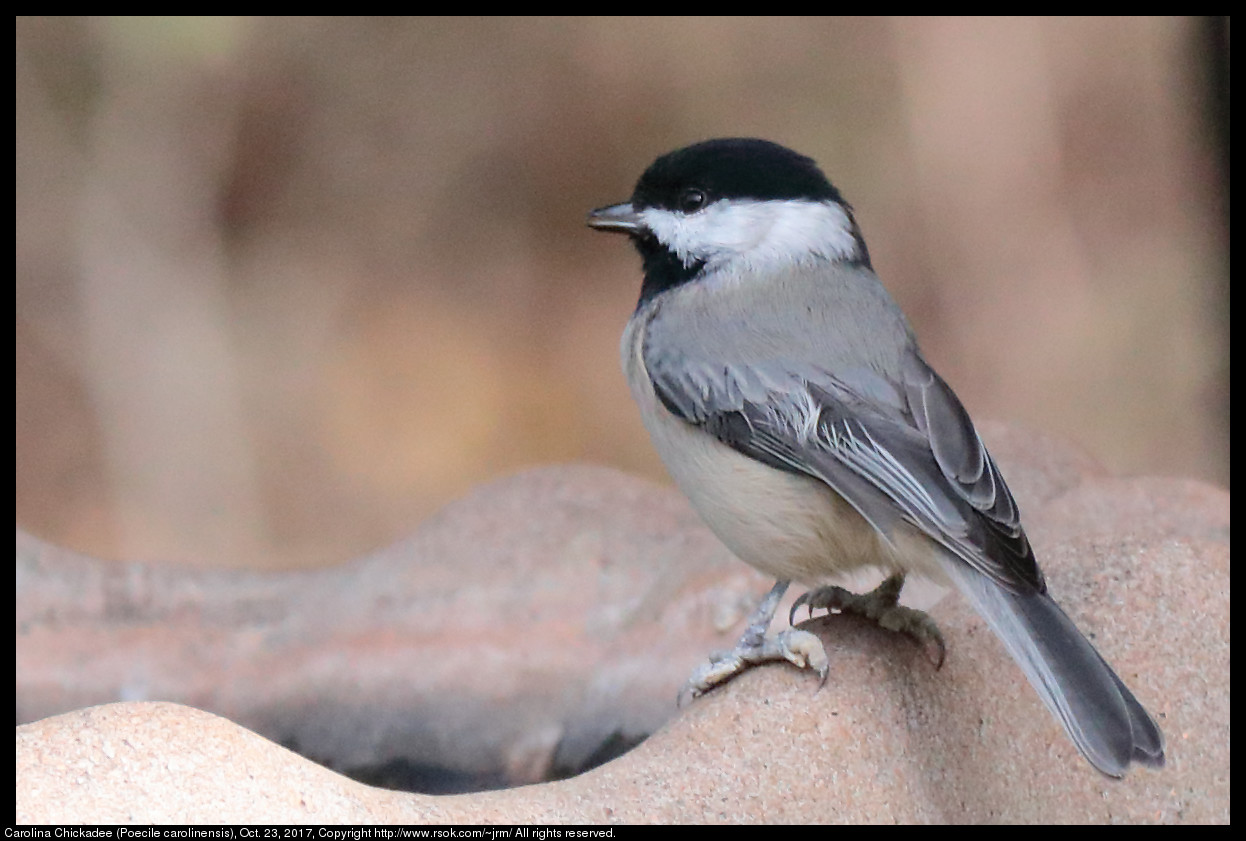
1100,714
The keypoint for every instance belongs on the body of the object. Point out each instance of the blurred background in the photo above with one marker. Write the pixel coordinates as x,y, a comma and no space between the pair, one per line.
286,286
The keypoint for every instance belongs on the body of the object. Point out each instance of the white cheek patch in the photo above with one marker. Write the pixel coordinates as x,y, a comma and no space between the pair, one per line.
762,233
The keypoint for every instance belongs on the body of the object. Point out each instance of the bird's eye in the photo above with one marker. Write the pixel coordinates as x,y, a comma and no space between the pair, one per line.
692,200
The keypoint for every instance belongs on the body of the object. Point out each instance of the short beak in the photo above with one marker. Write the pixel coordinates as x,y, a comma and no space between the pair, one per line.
619,218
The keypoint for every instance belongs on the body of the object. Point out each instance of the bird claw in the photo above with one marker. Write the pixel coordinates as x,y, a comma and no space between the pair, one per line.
800,648
880,605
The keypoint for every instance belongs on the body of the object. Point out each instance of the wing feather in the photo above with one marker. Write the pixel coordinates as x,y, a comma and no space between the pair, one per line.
894,450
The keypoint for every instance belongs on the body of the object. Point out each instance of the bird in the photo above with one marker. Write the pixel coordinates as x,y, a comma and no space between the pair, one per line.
785,392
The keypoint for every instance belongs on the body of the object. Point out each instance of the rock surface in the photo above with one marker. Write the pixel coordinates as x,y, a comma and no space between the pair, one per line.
543,621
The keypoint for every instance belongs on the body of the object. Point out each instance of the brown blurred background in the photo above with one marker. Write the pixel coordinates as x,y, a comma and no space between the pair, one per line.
285,286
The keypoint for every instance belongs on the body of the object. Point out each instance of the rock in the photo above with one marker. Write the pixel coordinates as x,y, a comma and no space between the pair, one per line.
546,621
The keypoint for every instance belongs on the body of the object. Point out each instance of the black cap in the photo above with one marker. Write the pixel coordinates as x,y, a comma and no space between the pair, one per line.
731,168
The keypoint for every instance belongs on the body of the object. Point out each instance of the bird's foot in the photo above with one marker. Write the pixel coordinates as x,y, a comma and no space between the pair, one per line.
880,605
801,648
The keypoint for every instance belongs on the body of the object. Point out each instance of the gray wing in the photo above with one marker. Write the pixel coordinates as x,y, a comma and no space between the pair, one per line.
895,449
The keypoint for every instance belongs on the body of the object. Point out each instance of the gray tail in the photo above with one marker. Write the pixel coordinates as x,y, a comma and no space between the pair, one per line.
1100,714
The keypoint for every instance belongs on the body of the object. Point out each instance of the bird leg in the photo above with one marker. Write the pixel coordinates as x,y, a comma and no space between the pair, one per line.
880,605
800,648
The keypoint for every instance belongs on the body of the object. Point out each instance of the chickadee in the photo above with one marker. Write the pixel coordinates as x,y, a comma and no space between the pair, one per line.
785,392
